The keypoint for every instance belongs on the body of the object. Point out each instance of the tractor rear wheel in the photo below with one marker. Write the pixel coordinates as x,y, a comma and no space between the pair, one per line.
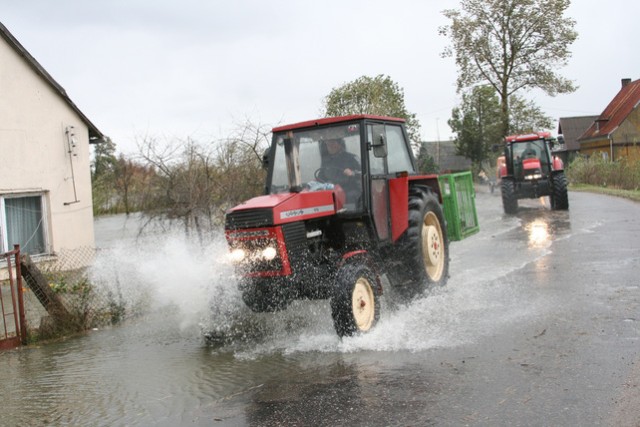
509,199
354,305
559,198
424,250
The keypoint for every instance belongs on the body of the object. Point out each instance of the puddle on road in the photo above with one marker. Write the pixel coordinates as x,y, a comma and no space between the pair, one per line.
198,283
169,270
156,369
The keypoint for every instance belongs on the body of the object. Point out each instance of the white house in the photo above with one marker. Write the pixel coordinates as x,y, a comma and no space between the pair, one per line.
45,182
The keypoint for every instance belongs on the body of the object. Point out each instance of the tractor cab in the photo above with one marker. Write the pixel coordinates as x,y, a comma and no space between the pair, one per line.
343,156
361,159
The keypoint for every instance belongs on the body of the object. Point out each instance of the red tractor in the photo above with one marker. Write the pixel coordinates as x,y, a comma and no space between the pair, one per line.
530,171
343,208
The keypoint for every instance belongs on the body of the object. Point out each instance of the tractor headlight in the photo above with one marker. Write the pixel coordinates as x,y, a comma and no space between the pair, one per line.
237,255
269,253
533,176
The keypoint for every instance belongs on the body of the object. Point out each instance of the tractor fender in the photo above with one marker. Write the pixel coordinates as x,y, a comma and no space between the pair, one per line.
430,181
557,165
399,199
501,167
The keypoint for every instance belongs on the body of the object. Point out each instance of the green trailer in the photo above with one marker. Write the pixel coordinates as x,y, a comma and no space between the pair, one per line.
458,197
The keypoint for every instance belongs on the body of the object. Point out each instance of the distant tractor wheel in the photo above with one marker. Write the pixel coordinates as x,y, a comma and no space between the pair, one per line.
354,304
509,199
559,197
424,250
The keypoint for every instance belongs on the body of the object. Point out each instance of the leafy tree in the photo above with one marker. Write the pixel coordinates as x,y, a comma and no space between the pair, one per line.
476,123
104,158
103,175
372,95
511,45
526,117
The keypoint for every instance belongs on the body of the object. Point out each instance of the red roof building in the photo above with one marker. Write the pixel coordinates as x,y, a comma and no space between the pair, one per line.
616,132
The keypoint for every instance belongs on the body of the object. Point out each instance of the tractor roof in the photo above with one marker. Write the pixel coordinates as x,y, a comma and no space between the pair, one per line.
528,137
331,120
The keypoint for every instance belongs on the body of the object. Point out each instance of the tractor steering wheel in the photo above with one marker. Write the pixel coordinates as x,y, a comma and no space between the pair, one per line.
328,171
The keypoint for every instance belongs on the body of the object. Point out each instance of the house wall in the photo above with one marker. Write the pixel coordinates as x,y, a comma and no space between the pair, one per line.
625,140
594,147
34,151
627,137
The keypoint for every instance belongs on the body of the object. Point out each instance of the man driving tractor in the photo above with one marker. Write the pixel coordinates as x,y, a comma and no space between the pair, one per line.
340,167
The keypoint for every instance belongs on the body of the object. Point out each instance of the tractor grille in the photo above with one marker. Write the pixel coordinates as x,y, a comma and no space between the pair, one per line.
249,219
295,238
295,235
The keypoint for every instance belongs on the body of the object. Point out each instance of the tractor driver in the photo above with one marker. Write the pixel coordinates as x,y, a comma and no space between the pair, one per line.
340,167
529,152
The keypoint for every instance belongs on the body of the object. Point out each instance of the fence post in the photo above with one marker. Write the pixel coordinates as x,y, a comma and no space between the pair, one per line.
21,313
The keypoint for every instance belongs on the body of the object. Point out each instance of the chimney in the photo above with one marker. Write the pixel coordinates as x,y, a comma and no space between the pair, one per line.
625,82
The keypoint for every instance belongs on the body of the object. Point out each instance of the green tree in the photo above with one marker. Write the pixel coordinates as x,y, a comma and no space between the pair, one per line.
526,117
476,125
372,95
511,45
104,158
103,175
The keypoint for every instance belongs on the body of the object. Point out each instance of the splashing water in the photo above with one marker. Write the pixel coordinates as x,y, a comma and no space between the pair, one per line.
169,270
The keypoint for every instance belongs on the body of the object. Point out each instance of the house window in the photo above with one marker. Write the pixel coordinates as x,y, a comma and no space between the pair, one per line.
22,221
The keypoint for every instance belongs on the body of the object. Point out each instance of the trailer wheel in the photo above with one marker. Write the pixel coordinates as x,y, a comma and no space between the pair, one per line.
424,249
354,305
509,199
559,198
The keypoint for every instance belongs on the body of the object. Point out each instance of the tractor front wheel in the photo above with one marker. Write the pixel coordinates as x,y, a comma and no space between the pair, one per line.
559,198
354,305
261,297
509,199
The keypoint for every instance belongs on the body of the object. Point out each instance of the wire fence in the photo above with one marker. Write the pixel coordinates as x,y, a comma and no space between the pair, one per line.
89,305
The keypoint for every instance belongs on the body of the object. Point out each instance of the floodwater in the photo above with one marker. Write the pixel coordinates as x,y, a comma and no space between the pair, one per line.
286,368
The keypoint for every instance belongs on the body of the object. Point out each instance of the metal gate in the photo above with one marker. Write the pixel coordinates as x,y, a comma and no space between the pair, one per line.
13,328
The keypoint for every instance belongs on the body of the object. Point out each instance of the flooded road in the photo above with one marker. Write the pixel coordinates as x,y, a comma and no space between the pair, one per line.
538,325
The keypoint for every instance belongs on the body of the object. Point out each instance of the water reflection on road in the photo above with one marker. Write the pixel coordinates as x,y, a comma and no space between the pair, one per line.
286,368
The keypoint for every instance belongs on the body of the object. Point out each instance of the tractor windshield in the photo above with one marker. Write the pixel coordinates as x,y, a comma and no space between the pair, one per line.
535,149
326,157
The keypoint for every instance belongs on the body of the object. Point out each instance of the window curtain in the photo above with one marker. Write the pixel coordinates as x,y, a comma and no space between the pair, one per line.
25,224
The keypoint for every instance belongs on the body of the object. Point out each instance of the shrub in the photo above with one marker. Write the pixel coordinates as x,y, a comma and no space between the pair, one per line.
621,174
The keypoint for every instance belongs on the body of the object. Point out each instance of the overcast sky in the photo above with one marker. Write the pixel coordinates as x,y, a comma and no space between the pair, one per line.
195,68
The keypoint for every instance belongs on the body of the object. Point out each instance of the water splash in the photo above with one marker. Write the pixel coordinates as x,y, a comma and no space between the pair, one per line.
169,270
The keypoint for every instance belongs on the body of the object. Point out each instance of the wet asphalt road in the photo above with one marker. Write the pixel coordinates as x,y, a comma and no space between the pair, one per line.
567,355
538,326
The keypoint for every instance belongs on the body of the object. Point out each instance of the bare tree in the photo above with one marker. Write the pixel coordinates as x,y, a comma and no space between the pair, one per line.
196,183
